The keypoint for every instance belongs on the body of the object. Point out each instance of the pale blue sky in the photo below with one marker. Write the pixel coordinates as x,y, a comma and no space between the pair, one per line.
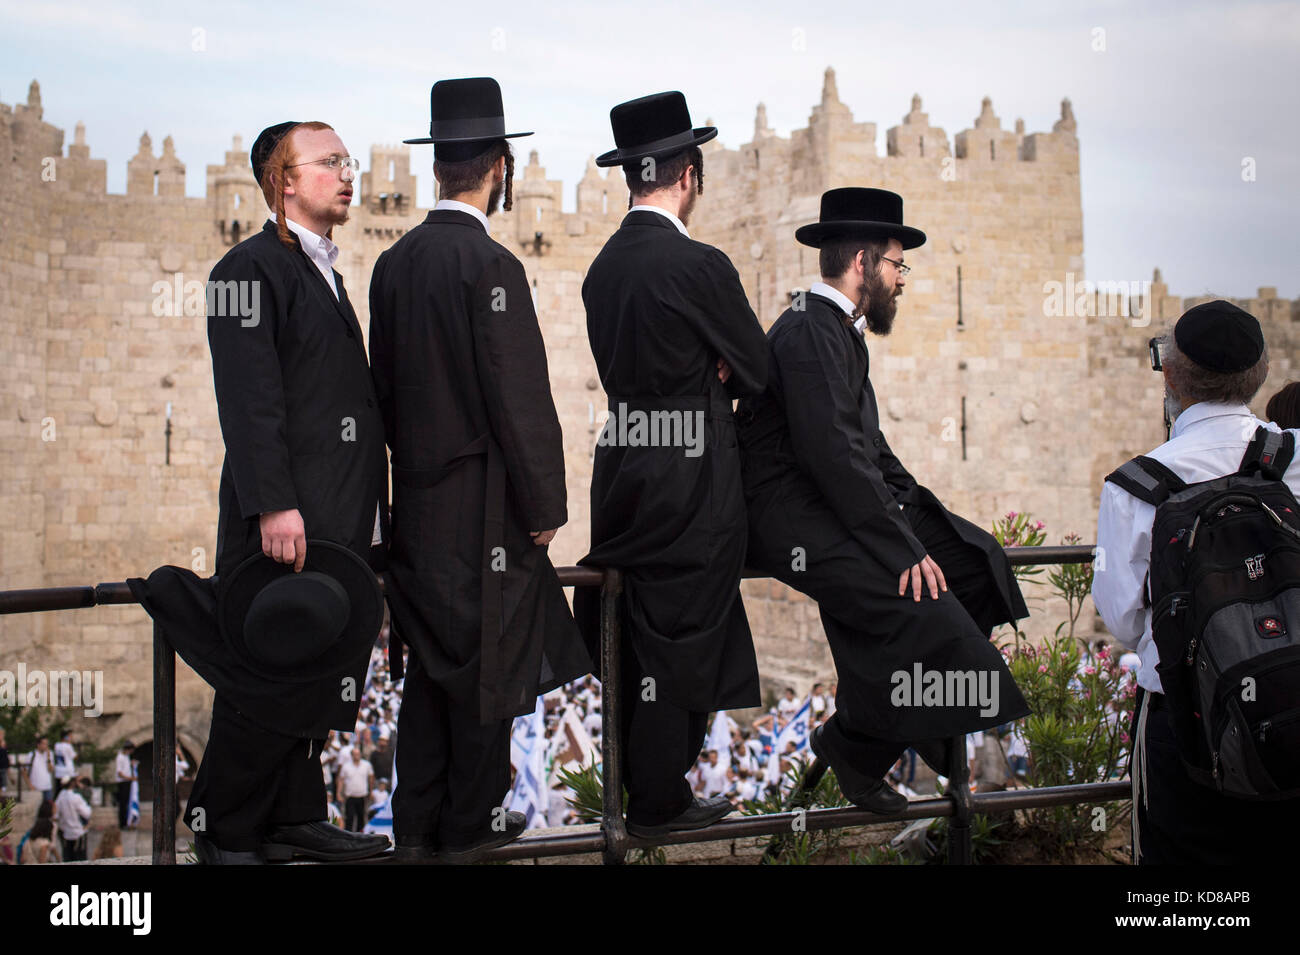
1181,94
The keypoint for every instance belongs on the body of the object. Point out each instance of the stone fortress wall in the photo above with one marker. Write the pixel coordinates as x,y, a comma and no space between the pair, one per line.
994,397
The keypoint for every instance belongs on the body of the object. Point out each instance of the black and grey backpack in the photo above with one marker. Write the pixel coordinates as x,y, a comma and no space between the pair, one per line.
1224,588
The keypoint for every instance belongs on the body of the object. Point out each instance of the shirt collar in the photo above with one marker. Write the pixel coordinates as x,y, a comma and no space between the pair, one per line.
1203,410
312,243
475,211
840,299
665,213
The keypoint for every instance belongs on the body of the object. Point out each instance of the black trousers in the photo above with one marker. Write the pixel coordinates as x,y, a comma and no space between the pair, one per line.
74,850
354,813
661,742
965,571
251,780
123,802
452,770
1180,822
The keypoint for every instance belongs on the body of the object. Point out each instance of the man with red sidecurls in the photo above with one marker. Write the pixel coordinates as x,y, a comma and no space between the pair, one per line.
302,502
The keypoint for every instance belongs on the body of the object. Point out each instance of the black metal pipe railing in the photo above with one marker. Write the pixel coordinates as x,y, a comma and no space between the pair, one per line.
611,838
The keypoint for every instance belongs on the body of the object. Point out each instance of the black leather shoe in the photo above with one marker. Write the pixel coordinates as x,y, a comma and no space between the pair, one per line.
320,840
415,849
515,822
865,793
211,854
700,813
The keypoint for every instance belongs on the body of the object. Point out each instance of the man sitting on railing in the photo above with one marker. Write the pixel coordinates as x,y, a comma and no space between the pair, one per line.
834,514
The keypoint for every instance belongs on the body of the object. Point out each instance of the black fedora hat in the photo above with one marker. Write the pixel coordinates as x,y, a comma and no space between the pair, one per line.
657,125
860,213
300,627
465,112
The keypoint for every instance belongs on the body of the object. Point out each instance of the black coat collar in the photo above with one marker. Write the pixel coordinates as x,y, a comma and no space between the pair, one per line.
853,332
341,304
644,217
453,217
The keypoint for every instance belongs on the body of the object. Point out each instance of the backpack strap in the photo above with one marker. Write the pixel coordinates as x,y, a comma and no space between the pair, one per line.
1268,454
1147,479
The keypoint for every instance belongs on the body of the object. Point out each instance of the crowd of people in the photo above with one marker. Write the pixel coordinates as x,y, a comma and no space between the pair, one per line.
61,830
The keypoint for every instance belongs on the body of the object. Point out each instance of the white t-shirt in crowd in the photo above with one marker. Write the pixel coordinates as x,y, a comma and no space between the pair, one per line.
356,778
713,779
71,813
65,758
122,766
40,772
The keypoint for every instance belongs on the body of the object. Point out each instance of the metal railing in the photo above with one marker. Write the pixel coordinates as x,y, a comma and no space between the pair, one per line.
611,838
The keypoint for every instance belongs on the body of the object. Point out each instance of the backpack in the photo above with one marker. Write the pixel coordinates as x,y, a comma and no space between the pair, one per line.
1224,590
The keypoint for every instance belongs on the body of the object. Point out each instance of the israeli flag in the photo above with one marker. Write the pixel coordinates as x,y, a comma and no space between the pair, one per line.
529,793
382,821
133,805
796,731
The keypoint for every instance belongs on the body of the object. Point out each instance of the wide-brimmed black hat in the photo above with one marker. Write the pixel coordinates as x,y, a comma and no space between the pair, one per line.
657,125
465,118
265,144
856,212
300,627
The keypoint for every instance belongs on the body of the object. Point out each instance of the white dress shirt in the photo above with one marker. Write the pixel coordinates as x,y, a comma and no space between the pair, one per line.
322,252
836,296
465,207
1207,441
666,214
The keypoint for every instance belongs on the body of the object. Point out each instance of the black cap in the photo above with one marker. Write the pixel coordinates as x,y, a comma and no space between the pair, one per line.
265,144
1220,337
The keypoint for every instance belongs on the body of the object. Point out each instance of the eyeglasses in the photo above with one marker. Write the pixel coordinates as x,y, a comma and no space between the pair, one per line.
333,163
902,269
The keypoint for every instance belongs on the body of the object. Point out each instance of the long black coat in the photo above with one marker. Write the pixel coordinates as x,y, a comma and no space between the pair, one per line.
478,462
824,492
302,430
661,310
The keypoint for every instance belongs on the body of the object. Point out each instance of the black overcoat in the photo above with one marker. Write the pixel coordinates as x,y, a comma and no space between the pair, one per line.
824,492
661,310
302,430
478,462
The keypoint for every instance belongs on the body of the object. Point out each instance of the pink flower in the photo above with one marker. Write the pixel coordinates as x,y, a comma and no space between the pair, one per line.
1090,671
1039,526
1011,515
1042,668
1104,652
1087,694
1123,737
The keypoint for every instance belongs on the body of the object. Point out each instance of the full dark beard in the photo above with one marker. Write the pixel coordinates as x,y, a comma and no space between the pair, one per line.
877,303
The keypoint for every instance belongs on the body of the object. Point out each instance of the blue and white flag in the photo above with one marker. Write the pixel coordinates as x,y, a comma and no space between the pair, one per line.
796,731
382,821
529,793
133,804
